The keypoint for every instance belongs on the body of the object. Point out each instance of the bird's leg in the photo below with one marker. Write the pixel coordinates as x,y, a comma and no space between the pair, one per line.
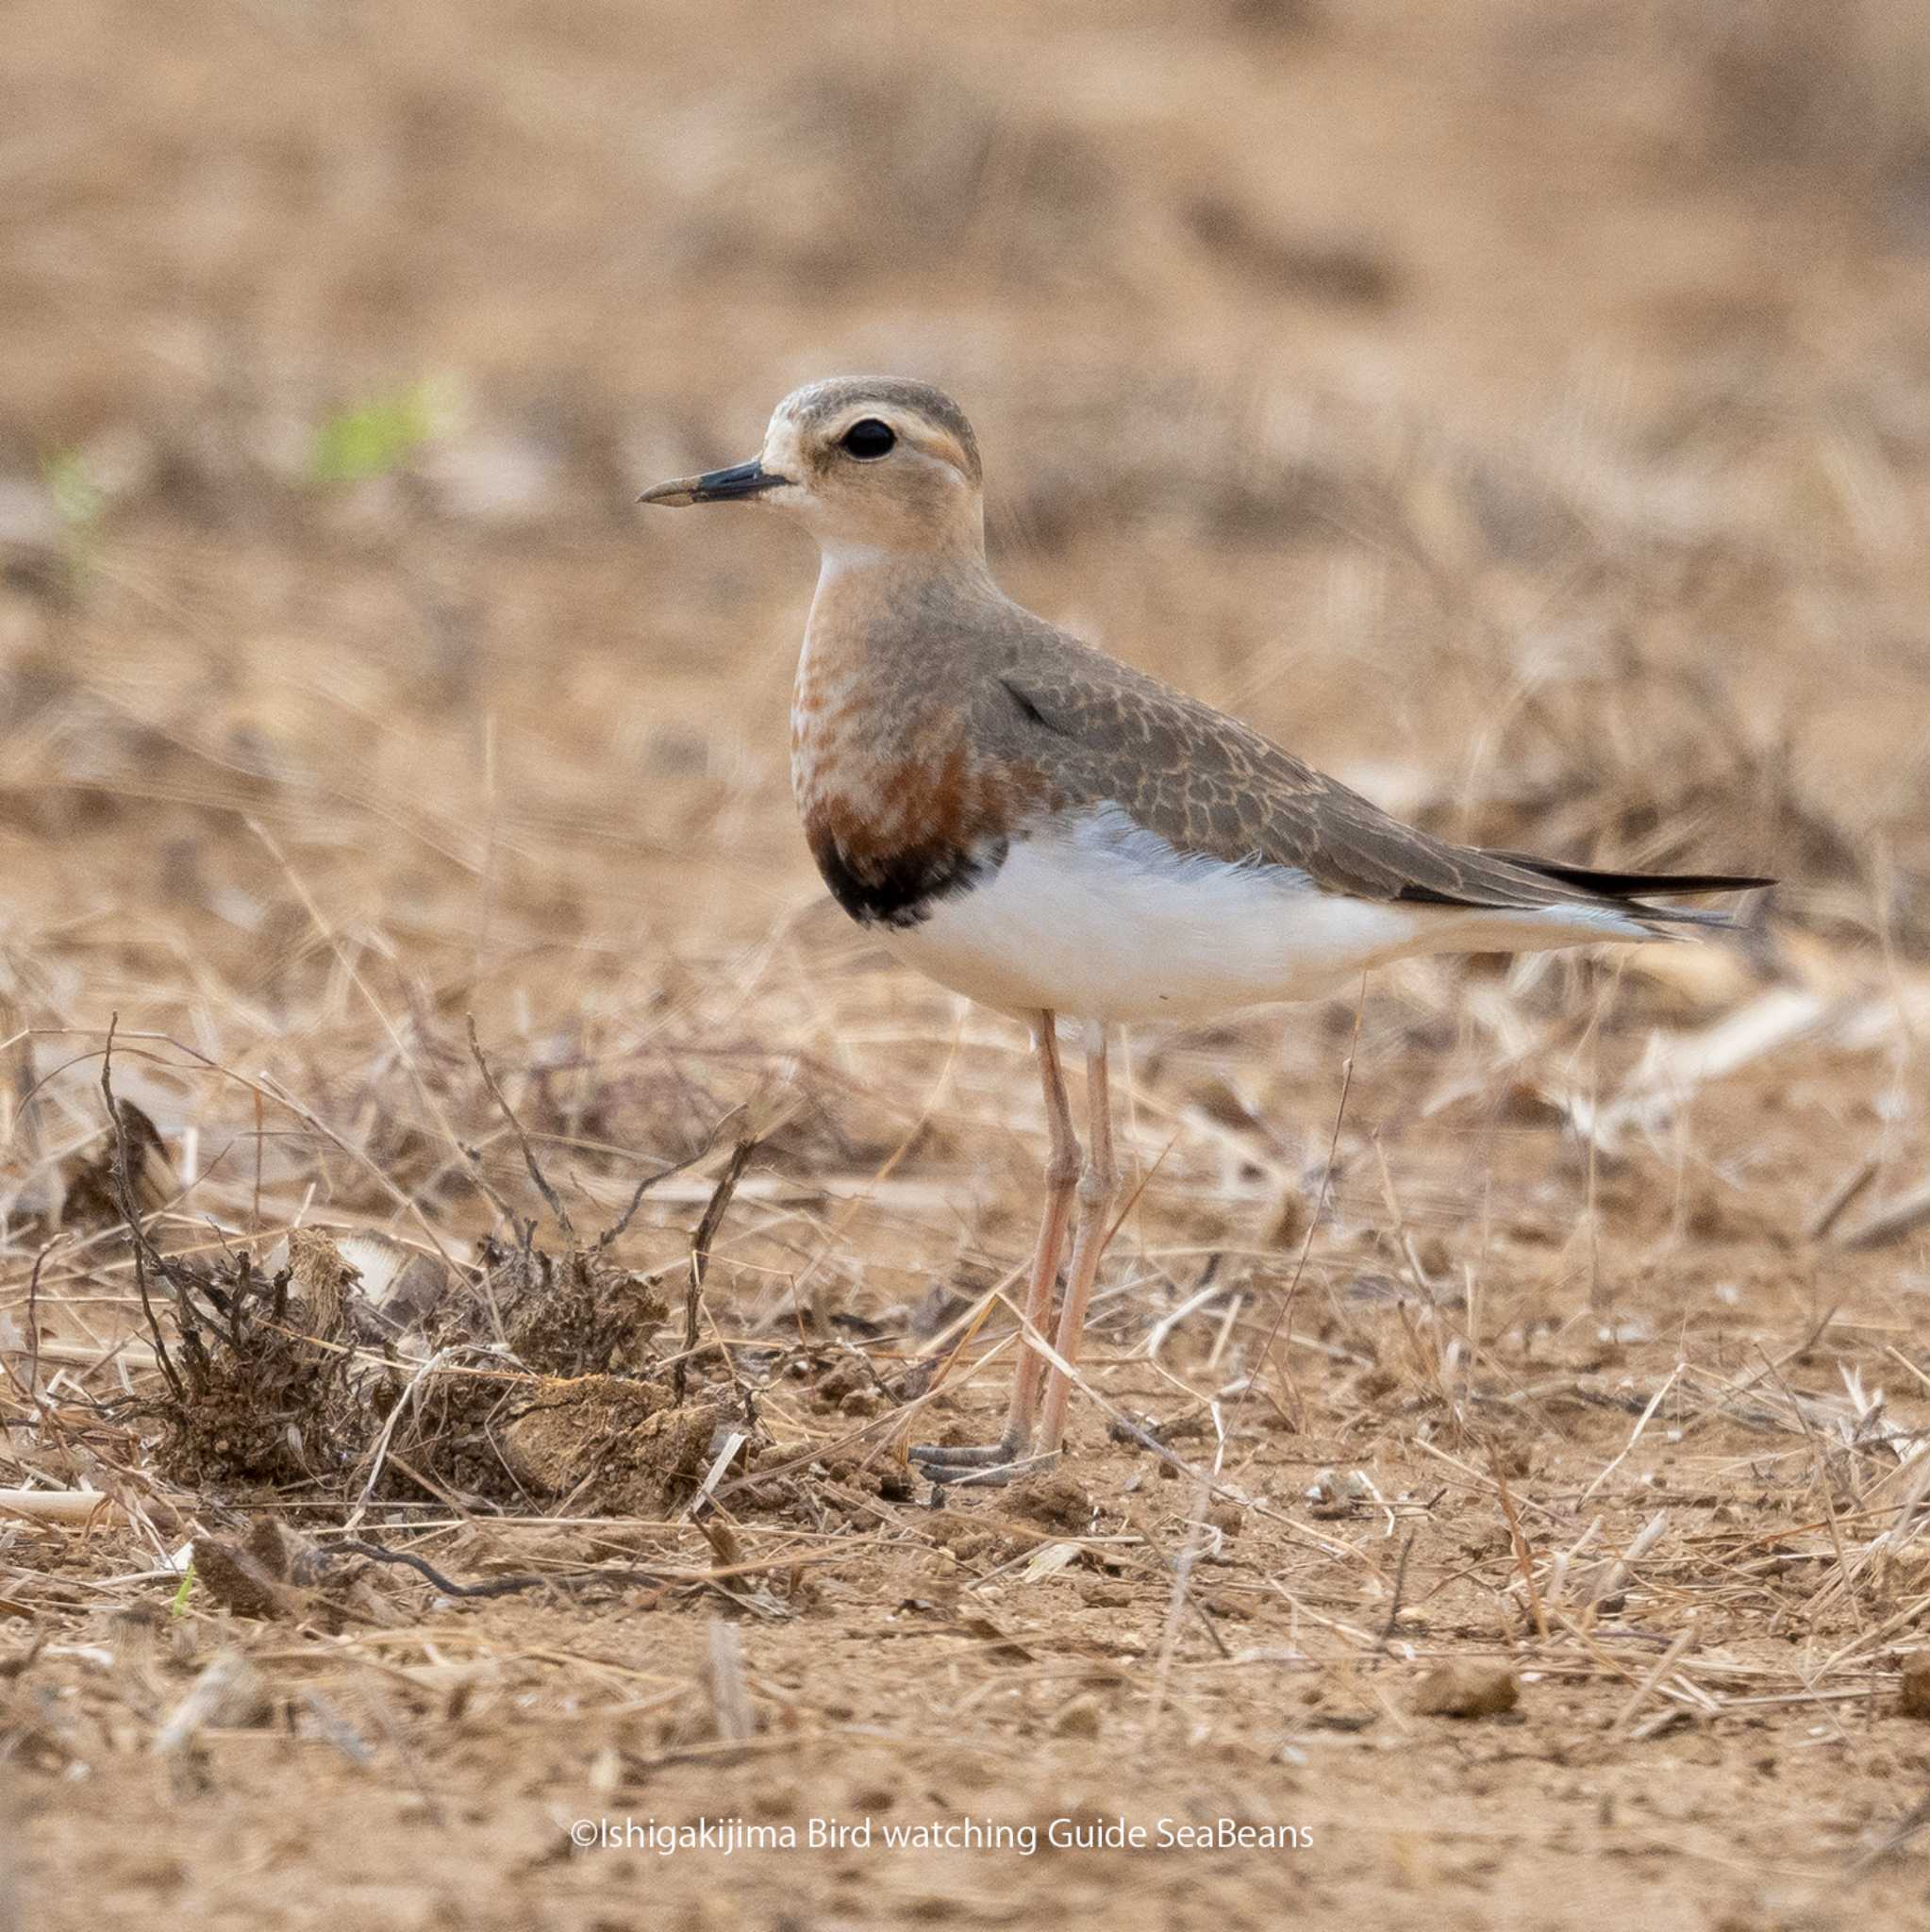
1098,1187
946,1462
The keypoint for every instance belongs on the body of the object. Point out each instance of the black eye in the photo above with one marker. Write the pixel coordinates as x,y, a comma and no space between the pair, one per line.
869,439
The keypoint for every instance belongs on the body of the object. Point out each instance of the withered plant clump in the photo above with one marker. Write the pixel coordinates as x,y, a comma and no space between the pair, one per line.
540,1361
540,1375
257,1385
546,1379
259,1391
572,1315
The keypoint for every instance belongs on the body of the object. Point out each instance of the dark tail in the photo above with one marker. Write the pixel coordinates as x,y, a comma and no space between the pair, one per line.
1632,887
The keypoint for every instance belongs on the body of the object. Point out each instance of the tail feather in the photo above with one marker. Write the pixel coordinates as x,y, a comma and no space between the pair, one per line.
1630,888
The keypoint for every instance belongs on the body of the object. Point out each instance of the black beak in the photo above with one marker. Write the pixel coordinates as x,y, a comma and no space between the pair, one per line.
717,486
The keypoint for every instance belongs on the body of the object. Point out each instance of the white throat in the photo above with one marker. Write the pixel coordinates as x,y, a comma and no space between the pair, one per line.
839,557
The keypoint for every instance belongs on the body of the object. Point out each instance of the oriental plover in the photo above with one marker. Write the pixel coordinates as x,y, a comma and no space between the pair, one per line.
1036,826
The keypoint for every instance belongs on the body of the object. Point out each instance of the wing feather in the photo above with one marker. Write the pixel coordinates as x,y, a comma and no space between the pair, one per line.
1103,733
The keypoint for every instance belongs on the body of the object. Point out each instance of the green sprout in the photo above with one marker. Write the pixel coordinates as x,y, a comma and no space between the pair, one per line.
77,498
179,1606
377,437
78,502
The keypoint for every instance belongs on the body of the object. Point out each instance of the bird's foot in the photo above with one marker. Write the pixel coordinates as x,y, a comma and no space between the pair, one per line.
980,1464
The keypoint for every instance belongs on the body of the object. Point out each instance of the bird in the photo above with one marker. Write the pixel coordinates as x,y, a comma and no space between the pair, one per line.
1062,838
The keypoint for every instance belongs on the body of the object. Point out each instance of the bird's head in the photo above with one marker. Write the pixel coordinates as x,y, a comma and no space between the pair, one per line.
868,464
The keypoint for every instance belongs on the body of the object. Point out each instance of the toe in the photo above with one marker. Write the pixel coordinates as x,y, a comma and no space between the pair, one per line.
964,1455
988,1467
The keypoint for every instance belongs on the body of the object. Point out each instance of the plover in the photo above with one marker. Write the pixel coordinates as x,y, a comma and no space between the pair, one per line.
1059,836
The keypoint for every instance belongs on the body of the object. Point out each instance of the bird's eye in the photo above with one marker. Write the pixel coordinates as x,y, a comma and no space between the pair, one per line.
868,440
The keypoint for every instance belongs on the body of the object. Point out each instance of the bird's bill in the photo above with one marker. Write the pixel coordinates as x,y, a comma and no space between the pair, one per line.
717,486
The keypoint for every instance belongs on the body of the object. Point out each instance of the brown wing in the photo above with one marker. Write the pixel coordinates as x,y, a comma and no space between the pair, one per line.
1100,731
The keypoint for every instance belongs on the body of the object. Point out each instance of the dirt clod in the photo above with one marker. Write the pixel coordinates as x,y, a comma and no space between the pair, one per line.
1057,1498
1467,1689
1081,1717
611,1444
276,1572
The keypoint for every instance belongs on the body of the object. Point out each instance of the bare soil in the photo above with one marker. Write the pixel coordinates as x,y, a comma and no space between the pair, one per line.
1511,1479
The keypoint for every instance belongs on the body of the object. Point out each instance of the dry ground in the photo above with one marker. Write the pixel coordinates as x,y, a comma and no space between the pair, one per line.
1523,408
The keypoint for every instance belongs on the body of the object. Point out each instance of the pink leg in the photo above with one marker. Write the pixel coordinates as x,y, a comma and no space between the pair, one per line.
1098,1189
1062,1175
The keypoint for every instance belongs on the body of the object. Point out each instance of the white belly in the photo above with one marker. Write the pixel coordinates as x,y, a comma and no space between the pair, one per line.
1104,921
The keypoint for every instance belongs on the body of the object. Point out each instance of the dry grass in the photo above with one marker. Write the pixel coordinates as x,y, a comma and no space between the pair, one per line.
1520,409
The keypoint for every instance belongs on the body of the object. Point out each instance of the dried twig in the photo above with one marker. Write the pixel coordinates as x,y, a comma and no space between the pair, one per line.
1840,1198
137,1232
1284,1317
1891,1221
229,1691
494,1586
730,1697
1386,1632
700,1253
1523,1561
1182,1570
1621,1455
621,1226
67,1507
1657,1671
529,1160
33,1319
